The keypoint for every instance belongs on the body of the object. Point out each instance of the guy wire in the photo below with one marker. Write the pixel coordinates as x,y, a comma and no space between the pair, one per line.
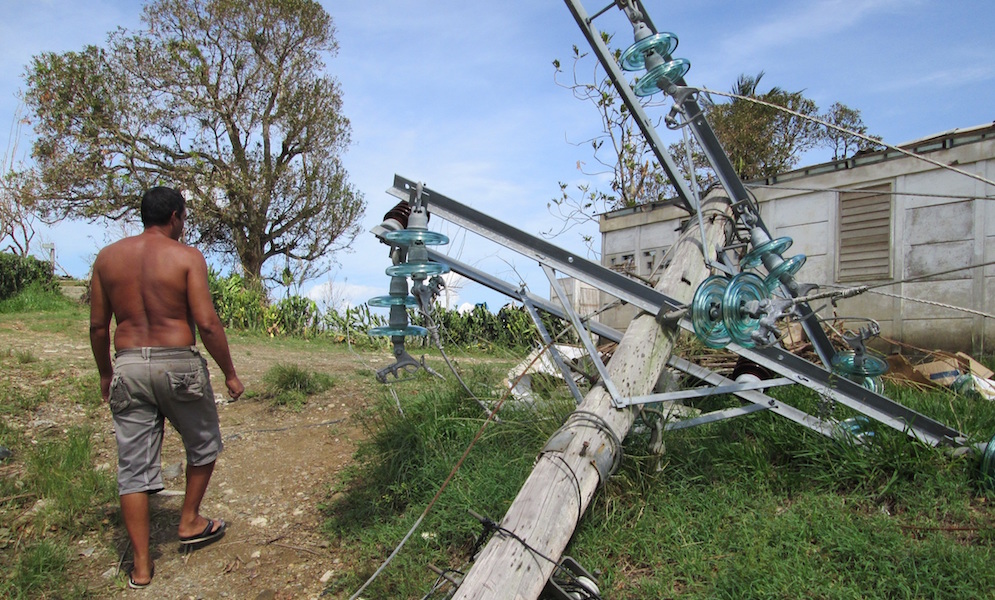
849,132
855,191
873,289
937,274
459,463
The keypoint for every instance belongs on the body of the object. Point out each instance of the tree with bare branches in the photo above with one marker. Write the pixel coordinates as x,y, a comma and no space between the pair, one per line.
17,220
763,133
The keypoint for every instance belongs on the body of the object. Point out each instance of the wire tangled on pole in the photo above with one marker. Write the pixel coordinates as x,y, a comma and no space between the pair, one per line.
864,137
491,416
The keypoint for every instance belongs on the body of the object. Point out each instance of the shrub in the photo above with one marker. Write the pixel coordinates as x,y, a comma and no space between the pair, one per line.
294,315
290,385
511,328
354,324
238,304
19,272
36,297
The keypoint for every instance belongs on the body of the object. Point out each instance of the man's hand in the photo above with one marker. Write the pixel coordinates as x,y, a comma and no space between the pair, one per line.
105,387
235,387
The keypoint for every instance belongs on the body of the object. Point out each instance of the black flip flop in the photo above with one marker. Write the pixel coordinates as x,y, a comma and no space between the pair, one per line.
209,534
141,586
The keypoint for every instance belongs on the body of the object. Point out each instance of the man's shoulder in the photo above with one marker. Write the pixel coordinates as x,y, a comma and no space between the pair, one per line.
110,251
138,245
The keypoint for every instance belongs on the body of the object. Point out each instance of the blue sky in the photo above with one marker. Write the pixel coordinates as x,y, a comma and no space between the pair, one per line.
460,95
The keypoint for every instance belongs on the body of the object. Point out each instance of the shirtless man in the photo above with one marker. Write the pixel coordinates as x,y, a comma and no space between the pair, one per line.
156,288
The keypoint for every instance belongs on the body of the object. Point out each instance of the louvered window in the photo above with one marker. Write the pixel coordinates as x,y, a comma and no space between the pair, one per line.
865,234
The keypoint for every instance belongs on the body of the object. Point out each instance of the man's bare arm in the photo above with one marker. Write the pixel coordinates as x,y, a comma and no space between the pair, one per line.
100,332
212,333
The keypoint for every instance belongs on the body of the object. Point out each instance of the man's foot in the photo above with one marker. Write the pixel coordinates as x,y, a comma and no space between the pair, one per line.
213,531
140,585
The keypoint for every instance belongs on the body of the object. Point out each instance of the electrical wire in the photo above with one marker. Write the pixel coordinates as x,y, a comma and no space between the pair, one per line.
445,484
934,303
873,289
936,274
491,525
441,581
573,477
433,329
888,193
866,138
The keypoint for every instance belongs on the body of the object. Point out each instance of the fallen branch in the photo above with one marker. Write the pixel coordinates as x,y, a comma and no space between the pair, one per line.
17,497
921,528
297,548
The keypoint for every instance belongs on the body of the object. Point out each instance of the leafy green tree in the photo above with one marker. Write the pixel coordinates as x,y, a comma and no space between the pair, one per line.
844,143
227,100
762,140
759,137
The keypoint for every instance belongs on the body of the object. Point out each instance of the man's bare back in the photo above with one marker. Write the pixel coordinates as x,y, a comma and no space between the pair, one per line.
157,290
145,279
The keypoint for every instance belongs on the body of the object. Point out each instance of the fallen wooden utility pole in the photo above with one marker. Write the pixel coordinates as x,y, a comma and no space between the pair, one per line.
560,488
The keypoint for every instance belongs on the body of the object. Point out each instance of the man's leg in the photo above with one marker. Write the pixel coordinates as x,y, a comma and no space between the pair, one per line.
191,523
135,511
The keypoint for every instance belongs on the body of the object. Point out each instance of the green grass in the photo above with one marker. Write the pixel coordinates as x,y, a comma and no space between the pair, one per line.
35,299
823,520
18,398
41,571
27,382
290,385
61,471
59,497
24,356
50,493
401,465
755,507
758,507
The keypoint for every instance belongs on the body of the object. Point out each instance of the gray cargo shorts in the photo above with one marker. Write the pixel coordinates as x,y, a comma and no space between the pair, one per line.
148,385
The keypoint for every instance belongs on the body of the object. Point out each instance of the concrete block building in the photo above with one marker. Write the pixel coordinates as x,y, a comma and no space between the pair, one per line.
878,218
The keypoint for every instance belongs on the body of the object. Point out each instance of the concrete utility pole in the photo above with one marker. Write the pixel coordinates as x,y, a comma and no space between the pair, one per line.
565,478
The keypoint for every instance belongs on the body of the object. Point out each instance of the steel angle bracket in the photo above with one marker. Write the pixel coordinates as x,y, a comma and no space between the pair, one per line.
585,338
539,250
684,195
756,398
763,401
517,293
704,392
853,395
551,347
775,359
715,416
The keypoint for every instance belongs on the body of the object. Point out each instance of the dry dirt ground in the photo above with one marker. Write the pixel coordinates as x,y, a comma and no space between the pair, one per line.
277,467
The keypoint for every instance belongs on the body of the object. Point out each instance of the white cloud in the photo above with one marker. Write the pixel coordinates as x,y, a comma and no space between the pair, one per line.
949,77
789,24
341,295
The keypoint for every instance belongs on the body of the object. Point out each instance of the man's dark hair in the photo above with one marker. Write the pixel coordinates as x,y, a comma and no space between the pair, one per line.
159,204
